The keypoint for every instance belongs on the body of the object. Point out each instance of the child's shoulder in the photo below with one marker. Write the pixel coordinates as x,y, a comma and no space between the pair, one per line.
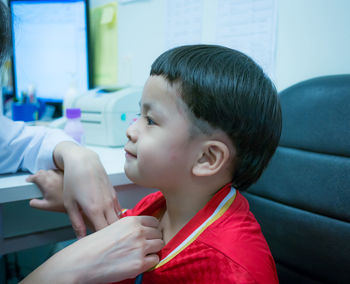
238,236
237,229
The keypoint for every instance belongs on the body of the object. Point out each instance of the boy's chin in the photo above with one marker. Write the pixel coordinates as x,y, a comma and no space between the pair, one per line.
128,173
137,178
132,176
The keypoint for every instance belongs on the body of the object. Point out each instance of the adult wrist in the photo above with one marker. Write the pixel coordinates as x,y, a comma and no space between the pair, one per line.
54,270
67,153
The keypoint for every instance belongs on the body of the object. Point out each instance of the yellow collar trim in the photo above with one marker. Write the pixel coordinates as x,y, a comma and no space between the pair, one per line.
219,211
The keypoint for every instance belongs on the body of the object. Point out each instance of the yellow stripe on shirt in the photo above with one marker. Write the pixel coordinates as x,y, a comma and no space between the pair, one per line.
219,211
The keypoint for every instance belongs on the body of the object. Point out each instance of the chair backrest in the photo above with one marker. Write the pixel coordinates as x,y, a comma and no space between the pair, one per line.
302,200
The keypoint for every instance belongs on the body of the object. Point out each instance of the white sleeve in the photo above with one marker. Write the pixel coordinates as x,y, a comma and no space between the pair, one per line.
28,148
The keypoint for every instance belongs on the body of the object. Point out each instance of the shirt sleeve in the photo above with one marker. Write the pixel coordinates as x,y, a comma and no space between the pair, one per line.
27,148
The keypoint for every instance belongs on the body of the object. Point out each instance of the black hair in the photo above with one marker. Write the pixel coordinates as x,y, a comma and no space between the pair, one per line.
5,32
229,91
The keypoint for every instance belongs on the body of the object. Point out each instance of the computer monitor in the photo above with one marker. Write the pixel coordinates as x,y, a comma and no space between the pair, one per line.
50,47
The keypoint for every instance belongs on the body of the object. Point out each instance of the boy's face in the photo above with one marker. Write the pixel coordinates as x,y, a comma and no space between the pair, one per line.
159,152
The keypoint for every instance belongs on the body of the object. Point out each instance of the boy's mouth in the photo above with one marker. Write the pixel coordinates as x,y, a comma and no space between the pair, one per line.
129,154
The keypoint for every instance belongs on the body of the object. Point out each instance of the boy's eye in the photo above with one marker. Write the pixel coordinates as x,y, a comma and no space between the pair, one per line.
150,121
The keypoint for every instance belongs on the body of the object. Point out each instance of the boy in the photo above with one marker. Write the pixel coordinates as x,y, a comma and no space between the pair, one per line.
210,122
210,119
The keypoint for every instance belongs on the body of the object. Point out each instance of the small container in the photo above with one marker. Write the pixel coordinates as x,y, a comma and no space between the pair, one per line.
74,127
24,112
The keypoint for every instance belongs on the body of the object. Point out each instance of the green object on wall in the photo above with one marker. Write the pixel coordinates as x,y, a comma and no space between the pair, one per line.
103,30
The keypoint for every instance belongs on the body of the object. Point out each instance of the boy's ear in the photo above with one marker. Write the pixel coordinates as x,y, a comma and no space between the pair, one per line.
211,159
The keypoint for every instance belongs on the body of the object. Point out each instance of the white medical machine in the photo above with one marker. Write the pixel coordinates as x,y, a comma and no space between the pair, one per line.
106,114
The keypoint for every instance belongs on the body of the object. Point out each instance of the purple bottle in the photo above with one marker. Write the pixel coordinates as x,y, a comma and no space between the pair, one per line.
74,127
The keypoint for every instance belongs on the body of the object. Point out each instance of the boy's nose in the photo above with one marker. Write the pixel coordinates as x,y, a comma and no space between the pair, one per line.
131,132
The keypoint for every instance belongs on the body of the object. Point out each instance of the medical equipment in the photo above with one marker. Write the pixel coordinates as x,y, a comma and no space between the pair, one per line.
106,114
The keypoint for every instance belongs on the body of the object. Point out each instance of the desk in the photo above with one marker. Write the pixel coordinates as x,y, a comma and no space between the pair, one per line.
22,227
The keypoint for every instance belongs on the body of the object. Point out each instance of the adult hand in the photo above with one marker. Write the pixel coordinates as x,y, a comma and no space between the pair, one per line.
120,251
50,184
85,186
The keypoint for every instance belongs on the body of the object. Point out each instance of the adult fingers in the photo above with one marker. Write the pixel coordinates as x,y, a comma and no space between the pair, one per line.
39,203
153,246
148,221
39,180
113,209
30,178
116,204
37,177
151,233
42,177
111,216
98,219
150,261
76,219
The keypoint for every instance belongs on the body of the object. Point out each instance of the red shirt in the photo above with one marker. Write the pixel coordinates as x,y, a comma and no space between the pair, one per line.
222,243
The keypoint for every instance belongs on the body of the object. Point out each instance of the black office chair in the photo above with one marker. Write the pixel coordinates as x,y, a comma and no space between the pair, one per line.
302,200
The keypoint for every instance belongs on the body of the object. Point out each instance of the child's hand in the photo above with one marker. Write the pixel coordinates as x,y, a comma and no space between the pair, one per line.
50,184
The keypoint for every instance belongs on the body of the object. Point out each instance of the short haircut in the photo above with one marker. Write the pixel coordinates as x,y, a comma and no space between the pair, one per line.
5,33
229,91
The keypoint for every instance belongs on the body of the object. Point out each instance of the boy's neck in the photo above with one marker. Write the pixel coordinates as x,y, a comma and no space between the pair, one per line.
181,207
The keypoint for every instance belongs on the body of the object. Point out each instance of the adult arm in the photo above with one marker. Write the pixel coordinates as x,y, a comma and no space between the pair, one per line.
60,194
120,251
86,184
27,148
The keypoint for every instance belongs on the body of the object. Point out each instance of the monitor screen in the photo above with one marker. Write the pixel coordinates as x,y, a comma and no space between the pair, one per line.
50,47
